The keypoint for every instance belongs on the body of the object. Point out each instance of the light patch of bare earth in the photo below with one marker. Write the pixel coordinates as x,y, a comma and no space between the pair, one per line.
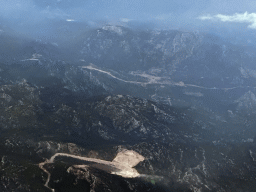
122,164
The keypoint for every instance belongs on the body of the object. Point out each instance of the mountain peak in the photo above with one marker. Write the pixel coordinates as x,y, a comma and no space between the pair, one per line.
113,28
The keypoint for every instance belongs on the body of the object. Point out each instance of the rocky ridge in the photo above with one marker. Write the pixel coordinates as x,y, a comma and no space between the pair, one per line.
49,106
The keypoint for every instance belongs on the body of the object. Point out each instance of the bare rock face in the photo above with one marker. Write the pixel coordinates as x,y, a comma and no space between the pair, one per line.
129,158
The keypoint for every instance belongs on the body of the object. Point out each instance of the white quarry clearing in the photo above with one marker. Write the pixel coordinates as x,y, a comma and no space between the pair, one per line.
121,165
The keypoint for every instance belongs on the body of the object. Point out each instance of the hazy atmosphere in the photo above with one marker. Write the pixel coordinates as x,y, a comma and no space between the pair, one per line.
127,95
34,17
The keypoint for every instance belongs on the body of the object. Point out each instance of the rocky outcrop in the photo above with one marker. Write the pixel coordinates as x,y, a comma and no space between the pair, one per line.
94,111
196,58
122,164
247,101
94,180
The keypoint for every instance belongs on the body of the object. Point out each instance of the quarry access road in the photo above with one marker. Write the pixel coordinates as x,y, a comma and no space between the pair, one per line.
118,166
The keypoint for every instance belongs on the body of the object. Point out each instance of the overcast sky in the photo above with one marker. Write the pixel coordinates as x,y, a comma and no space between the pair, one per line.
166,13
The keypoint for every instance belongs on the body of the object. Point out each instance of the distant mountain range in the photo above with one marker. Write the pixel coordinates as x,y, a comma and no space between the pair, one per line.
185,101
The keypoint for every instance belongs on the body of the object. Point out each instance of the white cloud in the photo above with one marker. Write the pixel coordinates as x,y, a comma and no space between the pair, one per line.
164,17
246,17
70,20
125,20
205,17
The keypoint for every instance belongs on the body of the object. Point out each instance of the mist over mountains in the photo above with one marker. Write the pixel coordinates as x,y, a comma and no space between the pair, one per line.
183,99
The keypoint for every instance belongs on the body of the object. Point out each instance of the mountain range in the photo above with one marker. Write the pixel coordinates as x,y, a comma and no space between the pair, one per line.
183,100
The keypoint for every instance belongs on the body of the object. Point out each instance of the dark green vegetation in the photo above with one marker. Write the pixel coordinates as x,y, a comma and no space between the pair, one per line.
194,137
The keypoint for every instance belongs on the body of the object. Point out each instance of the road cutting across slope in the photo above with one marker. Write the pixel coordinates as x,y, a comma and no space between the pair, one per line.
151,79
122,164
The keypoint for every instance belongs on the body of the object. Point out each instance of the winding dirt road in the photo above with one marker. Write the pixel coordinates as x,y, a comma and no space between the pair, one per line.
122,164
